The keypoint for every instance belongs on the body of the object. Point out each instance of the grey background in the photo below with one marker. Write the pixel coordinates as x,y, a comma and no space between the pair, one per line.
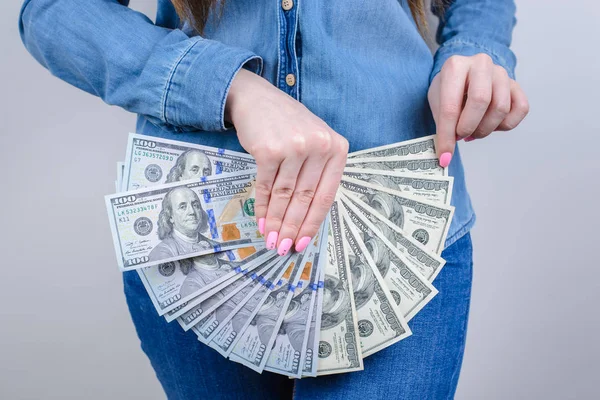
65,329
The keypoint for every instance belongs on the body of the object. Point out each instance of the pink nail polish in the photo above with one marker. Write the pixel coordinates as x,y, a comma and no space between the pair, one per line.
445,159
261,226
469,139
284,247
272,240
302,243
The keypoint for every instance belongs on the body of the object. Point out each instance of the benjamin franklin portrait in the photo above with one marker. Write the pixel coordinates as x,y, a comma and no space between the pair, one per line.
363,281
384,203
181,225
296,318
191,164
336,302
267,315
241,317
379,253
202,271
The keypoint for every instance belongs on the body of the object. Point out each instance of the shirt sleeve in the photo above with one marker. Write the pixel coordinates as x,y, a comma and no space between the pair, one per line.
111,51
469,27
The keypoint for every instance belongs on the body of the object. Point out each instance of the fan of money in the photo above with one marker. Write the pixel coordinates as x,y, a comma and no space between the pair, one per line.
349,294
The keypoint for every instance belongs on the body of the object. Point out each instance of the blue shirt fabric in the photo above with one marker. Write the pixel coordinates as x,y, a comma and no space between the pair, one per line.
361,66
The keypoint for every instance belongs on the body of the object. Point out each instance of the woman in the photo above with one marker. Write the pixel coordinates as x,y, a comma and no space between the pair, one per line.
302,82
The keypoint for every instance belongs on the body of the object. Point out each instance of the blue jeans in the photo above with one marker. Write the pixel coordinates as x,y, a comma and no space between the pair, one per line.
424,366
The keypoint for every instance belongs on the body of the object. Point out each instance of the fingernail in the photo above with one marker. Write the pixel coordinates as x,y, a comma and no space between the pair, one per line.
302,243
261,226
284,247
445,159
469,139
272,240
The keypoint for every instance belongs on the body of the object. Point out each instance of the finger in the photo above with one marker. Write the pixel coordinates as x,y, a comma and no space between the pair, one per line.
281,194
452,88
304,193
479,96
268,161
519,108
499,106
325,193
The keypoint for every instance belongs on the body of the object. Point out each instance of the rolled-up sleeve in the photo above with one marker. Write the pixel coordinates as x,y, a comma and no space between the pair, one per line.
469,27
106,49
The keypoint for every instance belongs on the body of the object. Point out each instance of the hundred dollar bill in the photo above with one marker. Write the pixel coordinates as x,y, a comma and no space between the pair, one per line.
231,329
424,166
423,146
380,320
256,342
226,313
425,221
310,351
286,355
171,284
184,307
204,304
231,292
181,220
339,347
410,290
428,263
152,160
191,304
436,189
310,346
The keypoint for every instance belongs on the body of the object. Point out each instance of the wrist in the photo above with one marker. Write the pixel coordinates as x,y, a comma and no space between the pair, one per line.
245,84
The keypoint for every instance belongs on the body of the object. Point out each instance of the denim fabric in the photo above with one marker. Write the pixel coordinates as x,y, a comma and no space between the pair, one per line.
424,366
359,65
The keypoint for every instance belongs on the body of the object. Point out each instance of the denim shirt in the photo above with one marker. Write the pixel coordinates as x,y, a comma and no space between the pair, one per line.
361,66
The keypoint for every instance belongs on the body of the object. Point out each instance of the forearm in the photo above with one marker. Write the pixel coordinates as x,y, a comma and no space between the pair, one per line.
118,54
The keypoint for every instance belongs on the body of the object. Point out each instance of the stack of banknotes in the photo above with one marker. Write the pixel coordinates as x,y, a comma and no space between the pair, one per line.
183,219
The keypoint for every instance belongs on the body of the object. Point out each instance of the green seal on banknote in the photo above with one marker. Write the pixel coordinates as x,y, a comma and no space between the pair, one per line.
249,207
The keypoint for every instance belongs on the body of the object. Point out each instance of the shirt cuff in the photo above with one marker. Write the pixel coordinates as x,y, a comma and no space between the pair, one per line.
196,91
500,54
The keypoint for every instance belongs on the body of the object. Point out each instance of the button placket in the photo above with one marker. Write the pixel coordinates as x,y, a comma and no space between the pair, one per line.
288,63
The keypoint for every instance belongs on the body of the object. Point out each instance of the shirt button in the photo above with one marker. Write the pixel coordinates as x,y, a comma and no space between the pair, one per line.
287,4
290,79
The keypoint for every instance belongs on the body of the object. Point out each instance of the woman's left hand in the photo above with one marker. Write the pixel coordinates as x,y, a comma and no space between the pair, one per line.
470,98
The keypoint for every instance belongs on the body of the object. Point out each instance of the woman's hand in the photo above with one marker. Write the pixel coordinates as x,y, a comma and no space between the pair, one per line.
299,160
470,98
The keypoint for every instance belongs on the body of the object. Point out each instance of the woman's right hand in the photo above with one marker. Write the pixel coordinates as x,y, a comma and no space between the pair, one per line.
299,160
